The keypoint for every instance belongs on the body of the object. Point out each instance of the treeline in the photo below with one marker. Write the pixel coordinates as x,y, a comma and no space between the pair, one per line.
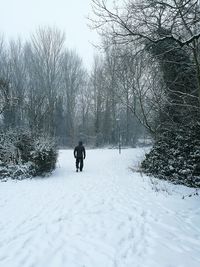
44,87
160,40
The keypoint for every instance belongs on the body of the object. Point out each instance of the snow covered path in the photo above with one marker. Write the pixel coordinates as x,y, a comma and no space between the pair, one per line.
106,216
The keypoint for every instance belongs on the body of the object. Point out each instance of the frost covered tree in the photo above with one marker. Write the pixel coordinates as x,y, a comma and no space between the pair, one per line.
167,30
73,79
50,91
47,48
166,33
113,97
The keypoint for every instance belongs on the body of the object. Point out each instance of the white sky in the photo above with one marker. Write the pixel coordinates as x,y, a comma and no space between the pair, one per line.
22,17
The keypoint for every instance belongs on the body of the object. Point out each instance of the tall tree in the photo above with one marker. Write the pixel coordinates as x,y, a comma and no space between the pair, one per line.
169,32
47,48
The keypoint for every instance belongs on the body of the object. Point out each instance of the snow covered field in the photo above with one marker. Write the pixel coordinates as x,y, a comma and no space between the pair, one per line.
106,216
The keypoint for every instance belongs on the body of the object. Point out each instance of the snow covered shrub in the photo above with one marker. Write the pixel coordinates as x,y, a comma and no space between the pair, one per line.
24,145
175,156
4,172
21,171
8,150
43,155
23,155
17,171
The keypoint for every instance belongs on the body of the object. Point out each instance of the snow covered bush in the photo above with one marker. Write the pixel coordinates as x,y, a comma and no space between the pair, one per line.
24,155
44,155
175,156
8,150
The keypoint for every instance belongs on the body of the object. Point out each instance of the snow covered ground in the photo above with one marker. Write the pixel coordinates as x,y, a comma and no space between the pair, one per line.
107,216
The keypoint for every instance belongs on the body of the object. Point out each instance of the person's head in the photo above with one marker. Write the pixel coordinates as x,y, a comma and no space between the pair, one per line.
80,143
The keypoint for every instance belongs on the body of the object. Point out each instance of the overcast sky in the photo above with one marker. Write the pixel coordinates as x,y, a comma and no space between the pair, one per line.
22,17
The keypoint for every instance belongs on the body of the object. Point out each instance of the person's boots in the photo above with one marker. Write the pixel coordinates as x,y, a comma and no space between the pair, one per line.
76,170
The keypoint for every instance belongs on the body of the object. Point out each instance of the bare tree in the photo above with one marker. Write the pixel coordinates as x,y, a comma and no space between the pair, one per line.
47,50
18,81
4,95
98,82
73,79
168,31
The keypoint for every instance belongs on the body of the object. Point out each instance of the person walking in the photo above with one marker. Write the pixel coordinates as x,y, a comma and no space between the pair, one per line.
79,154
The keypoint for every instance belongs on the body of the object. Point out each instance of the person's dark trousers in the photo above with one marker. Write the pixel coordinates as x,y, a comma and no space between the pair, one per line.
79,160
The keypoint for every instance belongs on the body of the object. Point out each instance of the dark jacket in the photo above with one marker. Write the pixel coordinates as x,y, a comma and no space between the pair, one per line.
79,152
